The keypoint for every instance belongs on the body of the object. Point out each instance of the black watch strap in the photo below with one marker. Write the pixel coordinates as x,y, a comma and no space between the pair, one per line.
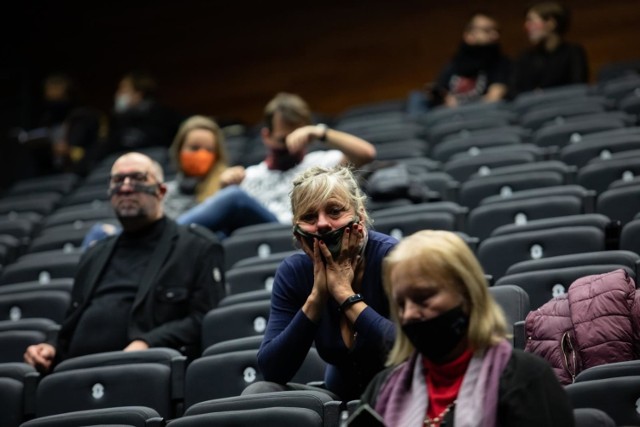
350,301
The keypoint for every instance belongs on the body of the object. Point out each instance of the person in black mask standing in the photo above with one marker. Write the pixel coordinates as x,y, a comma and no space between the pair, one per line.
149,286
451,363
478,70
331,294
261,192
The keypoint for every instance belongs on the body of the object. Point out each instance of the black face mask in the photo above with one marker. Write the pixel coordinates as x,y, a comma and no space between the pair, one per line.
470,60
136,188
281,159
436,338
332,239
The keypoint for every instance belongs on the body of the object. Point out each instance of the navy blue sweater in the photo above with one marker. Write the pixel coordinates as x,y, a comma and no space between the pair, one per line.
290,333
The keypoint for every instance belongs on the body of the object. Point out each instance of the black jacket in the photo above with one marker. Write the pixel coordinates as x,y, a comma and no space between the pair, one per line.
183,280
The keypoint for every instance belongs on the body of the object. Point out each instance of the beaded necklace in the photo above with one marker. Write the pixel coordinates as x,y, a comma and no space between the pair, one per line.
435,422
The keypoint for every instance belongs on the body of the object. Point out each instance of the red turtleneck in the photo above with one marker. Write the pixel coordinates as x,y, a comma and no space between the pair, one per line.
444,381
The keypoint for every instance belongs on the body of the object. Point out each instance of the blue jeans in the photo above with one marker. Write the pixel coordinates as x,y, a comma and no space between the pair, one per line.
417,103
98,232
227,210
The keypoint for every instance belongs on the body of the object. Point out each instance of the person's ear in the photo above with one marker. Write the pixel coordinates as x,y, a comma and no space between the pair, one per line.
162,190
468,38
552,25
136,97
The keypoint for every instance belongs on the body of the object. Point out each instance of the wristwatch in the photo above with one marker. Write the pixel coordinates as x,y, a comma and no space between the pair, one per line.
350,301
324,128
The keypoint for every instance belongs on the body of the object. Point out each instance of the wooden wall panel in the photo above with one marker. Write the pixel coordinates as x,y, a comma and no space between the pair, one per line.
228,58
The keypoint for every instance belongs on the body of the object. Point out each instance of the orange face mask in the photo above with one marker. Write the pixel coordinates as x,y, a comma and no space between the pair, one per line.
197,163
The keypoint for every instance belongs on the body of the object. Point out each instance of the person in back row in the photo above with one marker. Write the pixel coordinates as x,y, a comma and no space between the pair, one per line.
478,71
149,286
260,193
550,61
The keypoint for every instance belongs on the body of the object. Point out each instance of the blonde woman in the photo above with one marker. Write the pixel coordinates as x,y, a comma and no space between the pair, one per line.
331,295
451,363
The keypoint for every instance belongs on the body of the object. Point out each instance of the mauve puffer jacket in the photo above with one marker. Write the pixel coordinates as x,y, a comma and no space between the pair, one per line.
596,322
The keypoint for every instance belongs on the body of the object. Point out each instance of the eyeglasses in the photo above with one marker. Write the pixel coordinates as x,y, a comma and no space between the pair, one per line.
134,178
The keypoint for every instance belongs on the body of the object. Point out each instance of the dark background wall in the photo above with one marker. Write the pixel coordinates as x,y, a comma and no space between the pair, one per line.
228,58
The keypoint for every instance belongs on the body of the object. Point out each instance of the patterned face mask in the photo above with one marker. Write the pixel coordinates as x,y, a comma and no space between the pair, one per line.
332,239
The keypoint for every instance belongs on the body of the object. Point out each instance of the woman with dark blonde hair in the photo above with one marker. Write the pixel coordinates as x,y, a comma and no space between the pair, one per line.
199,155
451,361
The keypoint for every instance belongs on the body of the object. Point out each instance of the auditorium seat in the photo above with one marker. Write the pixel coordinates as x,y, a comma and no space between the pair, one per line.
129,416
320,403
45,303
233,371
542,285
235,321
265,417
18,382
152,378
615,396
498,252
17,335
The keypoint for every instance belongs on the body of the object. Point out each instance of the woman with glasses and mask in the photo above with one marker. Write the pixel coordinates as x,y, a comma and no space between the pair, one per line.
331,294
451,363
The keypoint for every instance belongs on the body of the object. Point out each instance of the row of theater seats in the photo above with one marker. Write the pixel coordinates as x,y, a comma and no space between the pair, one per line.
148,388
536,221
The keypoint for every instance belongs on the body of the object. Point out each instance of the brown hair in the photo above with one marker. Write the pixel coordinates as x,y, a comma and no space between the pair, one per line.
553,10
292,108
211,182
143,82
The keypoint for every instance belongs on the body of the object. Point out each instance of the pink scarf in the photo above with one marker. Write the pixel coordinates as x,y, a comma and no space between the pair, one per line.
403,400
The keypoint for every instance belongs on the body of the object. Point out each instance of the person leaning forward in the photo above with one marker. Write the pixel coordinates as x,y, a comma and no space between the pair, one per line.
150,286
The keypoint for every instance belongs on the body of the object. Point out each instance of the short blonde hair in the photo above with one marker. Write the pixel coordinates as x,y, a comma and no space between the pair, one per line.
318,184
211,182
444,257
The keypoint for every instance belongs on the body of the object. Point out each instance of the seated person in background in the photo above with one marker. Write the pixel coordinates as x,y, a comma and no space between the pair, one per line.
451,362
150,286
477,72
332,294
199,155
138,120
260,193
550,61
63,131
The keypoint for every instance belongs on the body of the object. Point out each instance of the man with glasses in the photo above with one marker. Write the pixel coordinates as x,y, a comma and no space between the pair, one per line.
149,286
260,193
